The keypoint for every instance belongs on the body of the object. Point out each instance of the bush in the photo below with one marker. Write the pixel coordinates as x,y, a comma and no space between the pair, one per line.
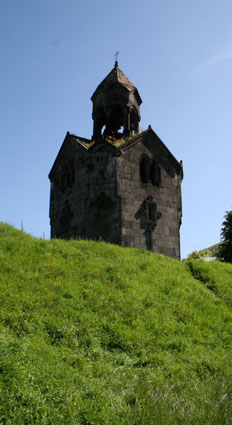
225,248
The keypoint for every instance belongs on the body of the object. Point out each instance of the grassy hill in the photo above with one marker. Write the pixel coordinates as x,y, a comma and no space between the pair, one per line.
92,333
207,252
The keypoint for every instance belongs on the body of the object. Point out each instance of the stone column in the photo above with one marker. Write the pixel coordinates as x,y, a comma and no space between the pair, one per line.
127,121
96,129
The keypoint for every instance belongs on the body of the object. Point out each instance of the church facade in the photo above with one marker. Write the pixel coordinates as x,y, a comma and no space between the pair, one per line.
122,186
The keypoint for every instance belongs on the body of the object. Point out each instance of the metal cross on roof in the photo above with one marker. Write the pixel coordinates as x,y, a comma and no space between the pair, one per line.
116,56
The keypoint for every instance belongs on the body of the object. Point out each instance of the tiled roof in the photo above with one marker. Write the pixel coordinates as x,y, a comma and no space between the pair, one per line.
126,143
122,78
117,144
115,76
85,143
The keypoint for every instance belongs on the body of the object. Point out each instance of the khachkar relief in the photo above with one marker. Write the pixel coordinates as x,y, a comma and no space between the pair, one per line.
149,217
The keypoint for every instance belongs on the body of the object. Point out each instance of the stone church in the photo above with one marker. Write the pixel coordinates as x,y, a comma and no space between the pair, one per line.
122,186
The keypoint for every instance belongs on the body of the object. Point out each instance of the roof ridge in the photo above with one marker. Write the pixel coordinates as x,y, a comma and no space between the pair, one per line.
122,76
115,75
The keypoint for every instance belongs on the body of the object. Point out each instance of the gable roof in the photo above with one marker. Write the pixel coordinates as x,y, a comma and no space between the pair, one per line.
69,138
142,137
138,137
116,76
115,145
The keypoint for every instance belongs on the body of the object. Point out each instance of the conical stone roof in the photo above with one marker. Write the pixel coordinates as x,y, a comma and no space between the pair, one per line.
115,76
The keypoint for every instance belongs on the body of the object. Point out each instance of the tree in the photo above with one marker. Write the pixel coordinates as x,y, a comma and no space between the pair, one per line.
225,248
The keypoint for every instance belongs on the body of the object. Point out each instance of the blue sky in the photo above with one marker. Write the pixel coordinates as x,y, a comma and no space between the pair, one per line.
178,53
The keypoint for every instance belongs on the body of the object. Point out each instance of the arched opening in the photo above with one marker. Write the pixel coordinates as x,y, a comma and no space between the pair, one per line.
117,118
98,123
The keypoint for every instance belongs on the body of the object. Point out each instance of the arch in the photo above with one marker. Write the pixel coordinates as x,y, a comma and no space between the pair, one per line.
117,117
98,122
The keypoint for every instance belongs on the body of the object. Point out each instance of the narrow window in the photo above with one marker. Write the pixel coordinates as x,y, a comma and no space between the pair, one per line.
144,169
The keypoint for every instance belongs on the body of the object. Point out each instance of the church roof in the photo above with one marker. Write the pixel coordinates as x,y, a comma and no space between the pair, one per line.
115,76
119,145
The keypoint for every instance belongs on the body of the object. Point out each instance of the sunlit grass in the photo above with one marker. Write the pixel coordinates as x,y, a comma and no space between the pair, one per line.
92,333
216,275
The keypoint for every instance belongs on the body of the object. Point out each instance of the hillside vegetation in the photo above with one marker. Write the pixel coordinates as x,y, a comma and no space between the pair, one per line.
92,333
212,251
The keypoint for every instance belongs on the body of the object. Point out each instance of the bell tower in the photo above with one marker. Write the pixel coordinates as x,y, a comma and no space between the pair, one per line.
116,106
122,186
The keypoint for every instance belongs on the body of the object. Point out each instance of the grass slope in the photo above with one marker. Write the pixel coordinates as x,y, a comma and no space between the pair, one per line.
216,275
92,333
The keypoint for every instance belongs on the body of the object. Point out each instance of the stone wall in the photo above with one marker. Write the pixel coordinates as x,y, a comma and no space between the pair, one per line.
90,208
102,204
67,208
130,197
160,234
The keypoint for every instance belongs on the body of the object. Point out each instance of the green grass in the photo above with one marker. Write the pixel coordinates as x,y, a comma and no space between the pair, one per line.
216,276
92,333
